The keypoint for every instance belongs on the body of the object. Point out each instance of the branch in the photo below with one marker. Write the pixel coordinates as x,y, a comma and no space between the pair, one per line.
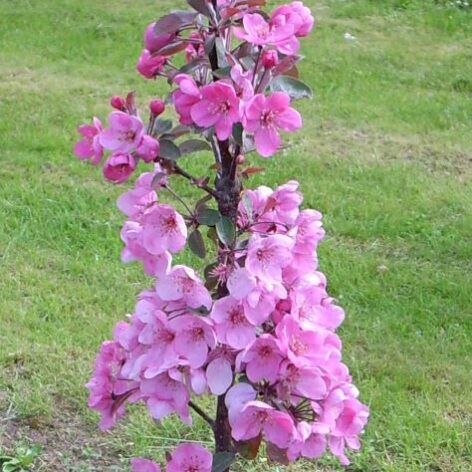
202,413
179,171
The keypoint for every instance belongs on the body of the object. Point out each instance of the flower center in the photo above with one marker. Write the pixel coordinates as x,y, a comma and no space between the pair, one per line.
268,118
224,107
236,316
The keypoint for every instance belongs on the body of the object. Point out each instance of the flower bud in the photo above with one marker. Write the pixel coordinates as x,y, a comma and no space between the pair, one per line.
240,159
118,102
270,59
157,107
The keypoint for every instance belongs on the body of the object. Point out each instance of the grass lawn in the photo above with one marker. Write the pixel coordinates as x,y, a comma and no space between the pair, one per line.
386,155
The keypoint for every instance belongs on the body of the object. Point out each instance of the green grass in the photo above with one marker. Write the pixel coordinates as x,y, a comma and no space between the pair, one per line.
386,155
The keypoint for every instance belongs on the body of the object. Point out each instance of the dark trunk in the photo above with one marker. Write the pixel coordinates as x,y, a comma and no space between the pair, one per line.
228,189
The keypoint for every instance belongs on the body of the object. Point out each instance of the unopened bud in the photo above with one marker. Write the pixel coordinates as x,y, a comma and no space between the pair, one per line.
270,59
240,159
157,107
118,102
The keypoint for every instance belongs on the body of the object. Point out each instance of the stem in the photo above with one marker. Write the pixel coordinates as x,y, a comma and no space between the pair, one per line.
228,189
202,413
178,170
178,198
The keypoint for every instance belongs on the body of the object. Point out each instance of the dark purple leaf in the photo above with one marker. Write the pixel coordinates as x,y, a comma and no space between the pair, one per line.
168,150
162,126
208,216
249,449
226,230
222,461
287,63
201,6
173,22
196,244
172,48
276,454
193,145
293,87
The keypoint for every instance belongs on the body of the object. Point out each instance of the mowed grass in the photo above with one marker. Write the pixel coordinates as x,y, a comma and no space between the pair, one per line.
386,155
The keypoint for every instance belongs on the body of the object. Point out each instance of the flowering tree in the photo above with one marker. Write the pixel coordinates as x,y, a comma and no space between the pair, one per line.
256,329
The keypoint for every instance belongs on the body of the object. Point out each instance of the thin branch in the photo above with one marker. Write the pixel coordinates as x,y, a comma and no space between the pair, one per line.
179,171
202,413
178,198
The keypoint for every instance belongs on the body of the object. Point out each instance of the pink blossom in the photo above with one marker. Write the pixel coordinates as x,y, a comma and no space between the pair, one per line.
258,303
296,14
231,324
195,49
123,134
139,464
89,148
309,231
118,102
164,396
259,32
164,229
310,442
153,42
187,95
159,336
265,116
267,256
192,378
149,65
119,167
181,283
269,59
305,348
194,337
219,374
257,417
148,148
286,202
190,458
157,107
218,107
243,82
300,382
237,397
263,358
154,264
136,201
108,393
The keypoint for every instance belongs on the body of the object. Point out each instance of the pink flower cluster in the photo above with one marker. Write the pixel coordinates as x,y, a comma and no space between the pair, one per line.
220,105
186,458
269,344
125,137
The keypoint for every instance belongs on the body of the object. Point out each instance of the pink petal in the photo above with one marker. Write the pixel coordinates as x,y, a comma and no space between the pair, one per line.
219,376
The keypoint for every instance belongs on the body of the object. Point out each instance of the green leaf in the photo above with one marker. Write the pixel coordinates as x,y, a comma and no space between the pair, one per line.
196,244
294,87
168,150
226,230
222,460
193,145
173,22
208,216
